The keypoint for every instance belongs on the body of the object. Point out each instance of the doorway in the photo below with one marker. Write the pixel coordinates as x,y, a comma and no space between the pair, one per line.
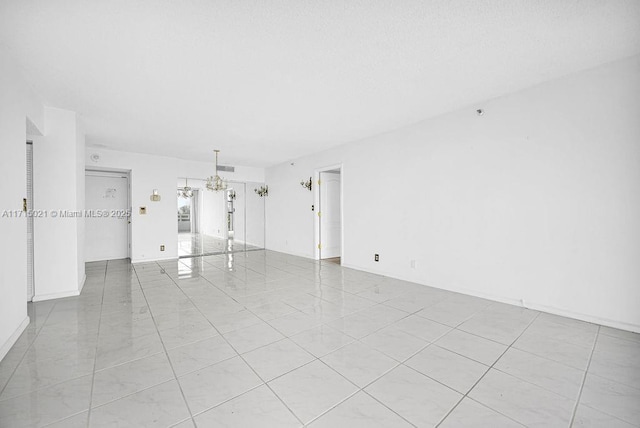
329,235
107,216
28,205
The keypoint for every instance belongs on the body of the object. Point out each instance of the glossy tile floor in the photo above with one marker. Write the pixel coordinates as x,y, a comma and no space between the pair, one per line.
262,339
197,244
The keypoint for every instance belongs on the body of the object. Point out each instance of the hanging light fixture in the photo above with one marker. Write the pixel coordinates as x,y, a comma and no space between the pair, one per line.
215,183
186,191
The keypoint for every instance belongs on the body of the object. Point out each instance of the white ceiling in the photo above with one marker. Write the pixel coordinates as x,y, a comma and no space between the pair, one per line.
268,81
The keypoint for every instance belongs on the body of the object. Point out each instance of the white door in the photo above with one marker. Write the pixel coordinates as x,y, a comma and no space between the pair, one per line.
106,236
330,221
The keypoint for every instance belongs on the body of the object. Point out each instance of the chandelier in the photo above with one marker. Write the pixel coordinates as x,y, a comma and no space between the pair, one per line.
186,191
262,191
215,183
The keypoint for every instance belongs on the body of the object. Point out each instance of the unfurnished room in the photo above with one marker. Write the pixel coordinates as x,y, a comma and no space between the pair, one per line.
294,213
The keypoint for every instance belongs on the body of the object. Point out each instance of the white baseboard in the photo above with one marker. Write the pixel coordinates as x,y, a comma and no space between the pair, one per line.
60,295
4,349
154,260
587,318
517,302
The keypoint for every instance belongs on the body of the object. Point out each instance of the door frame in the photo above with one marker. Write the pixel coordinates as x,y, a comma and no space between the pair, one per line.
318,209
126,173
31,262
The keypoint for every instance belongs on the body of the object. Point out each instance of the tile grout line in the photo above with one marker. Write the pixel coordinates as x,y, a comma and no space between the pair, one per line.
95,358
485,373
584,378
13,372
236,351
399,363
175,377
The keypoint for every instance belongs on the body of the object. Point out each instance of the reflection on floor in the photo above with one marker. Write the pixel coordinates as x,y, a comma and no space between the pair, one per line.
335,260
196,244
266,339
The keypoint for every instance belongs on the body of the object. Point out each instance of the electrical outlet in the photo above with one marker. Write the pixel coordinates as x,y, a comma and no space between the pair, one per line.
161,247
413,264
376,257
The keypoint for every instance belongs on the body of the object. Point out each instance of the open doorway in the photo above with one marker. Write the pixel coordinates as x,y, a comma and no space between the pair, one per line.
329,220
28,205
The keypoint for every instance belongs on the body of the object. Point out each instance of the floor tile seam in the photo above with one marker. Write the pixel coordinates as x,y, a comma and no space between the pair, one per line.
389,408
26,351
548,359
306,424
357,390
207,366
190,342
515,346
133,360
44,387
559,395
616,417
485,373
493,410
626,385
457,325
371,382
585,346
487,338
238,355
577,345
584,378
450,329
263,381
395,322
283,402
462,394
175,377
57,421
183,421
360,389
635,341
129,394
95,358
585,329
458,353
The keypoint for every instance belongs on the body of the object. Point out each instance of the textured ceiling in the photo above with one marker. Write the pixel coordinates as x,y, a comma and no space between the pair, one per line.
268,81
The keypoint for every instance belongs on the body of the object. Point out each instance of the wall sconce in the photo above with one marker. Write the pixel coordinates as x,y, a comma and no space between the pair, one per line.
262,191
155,197
306,184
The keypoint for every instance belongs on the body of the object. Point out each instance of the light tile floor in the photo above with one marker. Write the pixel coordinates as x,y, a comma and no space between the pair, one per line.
269,340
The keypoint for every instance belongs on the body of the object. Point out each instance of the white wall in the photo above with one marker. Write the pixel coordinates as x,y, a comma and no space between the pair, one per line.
537,201
17,103
255,216
58,182
159,226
